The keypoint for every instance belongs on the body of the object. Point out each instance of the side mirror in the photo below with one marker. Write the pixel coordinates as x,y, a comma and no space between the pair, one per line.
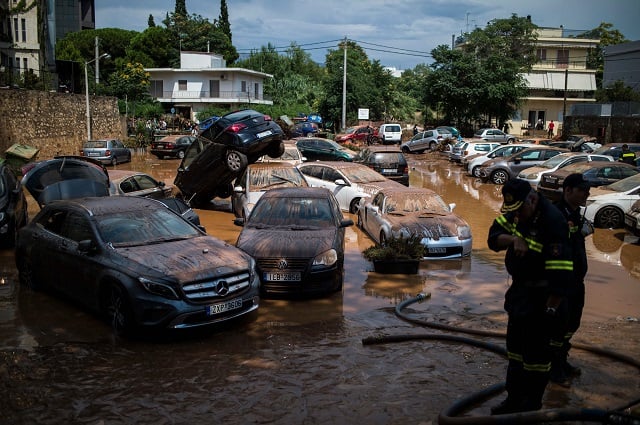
237,189
86,246
452,206
341,182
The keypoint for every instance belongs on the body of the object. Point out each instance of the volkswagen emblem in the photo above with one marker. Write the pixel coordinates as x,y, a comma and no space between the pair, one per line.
282,264
222,287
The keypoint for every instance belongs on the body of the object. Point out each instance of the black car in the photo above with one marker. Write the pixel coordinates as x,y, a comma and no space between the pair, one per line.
615,150
386,160
13,206
135,263
225,149
297,237
171,146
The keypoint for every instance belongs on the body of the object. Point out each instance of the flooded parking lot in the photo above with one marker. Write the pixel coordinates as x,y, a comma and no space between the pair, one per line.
303,361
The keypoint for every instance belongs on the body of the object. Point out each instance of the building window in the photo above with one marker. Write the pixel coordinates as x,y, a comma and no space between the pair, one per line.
182,85
24,64
563,58
256,90
243,86
24,30
214,88
15,30
156,88
17,64
542,54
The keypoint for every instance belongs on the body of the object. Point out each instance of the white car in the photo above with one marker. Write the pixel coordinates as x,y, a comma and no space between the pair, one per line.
291,154
534,174
472,147
349,181
473,165
607,205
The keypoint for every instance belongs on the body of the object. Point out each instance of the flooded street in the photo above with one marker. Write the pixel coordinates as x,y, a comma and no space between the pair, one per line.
304,361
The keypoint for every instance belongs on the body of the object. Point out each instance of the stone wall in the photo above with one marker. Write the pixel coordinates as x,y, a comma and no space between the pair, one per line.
606,129
55,123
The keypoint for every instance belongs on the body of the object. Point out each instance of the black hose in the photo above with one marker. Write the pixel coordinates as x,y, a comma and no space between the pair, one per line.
450,415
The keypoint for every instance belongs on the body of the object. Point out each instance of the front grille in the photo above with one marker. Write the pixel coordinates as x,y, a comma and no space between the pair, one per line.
206,290
293,264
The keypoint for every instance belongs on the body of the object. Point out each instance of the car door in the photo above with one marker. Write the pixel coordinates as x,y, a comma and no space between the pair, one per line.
525,160
146,186
372,217
326,151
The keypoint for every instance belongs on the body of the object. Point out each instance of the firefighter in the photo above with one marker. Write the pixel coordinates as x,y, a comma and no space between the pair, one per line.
627,155
538,257
575,191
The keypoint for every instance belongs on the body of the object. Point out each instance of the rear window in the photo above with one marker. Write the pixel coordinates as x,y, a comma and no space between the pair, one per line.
392,129
96,144
389,157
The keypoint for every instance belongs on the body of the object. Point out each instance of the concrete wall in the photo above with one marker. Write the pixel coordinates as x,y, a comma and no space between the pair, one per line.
55,123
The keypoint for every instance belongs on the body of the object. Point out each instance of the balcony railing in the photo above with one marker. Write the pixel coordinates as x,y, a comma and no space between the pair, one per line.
207,96
554,64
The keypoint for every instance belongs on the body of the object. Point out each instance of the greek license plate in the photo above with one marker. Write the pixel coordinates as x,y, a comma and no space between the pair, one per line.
265,134
222,307
437,250
388,170
282,277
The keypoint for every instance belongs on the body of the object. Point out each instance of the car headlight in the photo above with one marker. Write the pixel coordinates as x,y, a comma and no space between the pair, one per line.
531,176
326,259
464,232
159,288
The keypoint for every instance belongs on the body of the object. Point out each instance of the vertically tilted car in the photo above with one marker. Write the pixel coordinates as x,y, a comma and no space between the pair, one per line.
225,149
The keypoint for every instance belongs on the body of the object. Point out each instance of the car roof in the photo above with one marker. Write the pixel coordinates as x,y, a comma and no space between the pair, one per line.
175,137
271,164
297,192
384,148
335,164
584,166
112,204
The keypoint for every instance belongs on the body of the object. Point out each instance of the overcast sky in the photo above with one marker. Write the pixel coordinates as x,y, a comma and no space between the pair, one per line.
399,33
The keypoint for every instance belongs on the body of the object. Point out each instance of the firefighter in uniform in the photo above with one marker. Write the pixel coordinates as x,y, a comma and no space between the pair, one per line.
538,257
627,155
575,191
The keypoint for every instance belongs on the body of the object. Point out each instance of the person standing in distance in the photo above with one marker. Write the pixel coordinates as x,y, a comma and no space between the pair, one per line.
551,127
575,191
627,155
538,257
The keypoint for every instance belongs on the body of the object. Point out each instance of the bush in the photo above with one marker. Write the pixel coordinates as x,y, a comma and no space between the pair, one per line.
397,249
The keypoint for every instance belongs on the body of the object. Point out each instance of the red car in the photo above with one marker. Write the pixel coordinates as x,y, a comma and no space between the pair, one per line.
357,134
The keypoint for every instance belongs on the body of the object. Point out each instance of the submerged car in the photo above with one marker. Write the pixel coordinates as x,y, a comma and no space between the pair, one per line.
534,174
297,237
172,146
426,140
501,169
348,181
13,206
135,263
416,211
386,160
257,179
474,162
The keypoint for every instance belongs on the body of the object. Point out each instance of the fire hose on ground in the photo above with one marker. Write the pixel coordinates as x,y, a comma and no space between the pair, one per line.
450,416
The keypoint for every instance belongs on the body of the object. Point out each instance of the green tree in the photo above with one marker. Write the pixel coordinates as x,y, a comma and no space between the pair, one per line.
223,20
154,48
132,82
617,92
151,23
181,8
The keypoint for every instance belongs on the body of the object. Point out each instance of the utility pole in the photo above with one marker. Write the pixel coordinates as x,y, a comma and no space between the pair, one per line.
344,87
97,62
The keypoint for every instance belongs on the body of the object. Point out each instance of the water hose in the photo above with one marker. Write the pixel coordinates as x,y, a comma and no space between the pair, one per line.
450,416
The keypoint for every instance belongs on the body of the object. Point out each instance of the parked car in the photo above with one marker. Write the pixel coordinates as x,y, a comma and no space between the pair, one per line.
357,134
416,211
425,140
171,146
462,150
572,146
348,181
534,174
233,141
13,206
258,178
386,160
494,134
389,134
632,219
448,129
317,149
607,205
304,129
291,154
536,141
137,183
248,135
107,151
296,236
181,208
615,149
474,162
112,255
499,170
596,173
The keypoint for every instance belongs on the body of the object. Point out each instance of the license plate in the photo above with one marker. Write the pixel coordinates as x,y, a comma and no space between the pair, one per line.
437,250
282,277
388,170
222,307
264,134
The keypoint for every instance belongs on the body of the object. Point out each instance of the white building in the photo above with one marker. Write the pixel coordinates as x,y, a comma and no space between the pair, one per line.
203,80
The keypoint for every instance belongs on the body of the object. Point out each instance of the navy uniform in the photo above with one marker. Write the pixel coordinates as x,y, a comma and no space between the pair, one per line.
538,258
627,156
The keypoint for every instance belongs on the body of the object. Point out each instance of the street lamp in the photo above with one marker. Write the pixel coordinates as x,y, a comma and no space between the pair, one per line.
86,88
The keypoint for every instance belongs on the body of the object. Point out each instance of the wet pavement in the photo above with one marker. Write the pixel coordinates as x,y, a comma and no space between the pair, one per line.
304,361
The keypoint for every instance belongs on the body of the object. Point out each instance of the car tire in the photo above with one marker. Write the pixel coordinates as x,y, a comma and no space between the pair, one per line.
383,239
433,145
609,218
353,206
117,310
276,151
359,219
114,160
511,141
475,172
406,149
180,154
235,161
499,177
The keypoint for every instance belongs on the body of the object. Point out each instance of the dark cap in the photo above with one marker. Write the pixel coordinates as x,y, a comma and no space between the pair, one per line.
575,180
514,192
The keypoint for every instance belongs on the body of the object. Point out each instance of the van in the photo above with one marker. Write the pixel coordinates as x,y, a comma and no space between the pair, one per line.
390,134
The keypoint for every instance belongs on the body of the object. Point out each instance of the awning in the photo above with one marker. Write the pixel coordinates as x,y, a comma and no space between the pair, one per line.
555,81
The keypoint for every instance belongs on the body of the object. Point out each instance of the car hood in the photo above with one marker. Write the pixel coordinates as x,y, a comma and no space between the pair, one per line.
66,177
187,260
432,226
285,241
375,187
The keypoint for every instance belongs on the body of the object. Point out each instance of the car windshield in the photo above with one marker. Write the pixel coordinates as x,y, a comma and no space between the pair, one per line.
291,154
413,202
625,184
350,130
554,161
262,179
131,228
363,175
292,212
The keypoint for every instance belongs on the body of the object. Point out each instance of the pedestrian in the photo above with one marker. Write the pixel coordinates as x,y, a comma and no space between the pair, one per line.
538,258
627,155
539,124
575,191
194,129
415,129
551,126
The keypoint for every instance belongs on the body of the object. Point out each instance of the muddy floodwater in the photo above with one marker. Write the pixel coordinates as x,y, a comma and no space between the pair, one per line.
304,361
